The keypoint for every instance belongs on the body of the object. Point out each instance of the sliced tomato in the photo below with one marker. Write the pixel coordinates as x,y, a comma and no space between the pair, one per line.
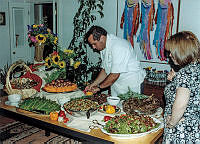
65,120
107,118
62,113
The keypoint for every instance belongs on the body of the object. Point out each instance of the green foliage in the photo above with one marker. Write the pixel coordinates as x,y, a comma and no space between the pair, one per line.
85,16
131,94
57,74
3,73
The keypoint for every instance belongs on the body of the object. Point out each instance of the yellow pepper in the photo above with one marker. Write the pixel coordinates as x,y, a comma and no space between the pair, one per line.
88,93
110,109
54,116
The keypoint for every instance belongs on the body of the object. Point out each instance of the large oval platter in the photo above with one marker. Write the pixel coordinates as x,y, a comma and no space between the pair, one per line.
129,136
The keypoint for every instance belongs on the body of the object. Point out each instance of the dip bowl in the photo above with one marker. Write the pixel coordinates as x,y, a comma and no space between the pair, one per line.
14,98
113,100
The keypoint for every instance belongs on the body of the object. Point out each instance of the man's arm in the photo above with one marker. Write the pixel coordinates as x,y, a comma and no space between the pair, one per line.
109,80
101,76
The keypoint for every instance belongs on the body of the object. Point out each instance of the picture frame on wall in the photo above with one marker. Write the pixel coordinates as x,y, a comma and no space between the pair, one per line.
2,18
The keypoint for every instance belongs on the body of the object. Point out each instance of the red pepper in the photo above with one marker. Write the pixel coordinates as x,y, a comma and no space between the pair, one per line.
107,118
65,119
62,113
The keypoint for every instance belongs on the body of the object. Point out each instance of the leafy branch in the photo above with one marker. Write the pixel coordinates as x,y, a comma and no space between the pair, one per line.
85,16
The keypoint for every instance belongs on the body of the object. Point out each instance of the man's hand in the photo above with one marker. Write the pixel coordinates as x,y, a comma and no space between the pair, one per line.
90,86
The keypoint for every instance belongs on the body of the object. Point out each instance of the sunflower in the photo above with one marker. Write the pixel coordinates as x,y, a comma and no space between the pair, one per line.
55,59
61,64
55,40
41,38
68,51
76,65
35,26
48,30
48,62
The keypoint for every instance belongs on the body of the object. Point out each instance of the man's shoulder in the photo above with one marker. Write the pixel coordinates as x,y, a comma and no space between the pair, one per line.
117,41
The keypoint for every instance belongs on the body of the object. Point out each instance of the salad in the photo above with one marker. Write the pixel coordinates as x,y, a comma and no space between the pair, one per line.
130,124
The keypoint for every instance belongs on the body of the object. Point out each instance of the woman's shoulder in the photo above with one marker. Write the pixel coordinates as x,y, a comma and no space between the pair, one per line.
190,69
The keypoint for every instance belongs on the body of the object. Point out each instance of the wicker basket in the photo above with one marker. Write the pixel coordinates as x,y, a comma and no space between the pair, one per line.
25,93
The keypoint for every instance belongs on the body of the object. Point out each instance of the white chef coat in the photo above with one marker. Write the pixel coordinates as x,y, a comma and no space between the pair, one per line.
118,57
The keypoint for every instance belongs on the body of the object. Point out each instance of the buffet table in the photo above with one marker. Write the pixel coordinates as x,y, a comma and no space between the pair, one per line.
94,136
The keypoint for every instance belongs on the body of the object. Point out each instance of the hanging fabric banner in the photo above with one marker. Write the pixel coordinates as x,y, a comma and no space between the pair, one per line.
130,20
164,20
147,17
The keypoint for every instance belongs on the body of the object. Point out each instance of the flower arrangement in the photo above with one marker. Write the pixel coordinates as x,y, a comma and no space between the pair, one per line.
41,34
61,61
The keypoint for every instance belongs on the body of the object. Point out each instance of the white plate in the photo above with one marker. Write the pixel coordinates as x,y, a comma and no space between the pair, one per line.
11,104
129,136
118,110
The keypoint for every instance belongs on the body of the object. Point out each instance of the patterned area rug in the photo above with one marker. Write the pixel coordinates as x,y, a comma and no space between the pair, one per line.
20,133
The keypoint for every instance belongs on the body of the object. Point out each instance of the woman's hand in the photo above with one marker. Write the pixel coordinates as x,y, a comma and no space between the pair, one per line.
171,75
169,123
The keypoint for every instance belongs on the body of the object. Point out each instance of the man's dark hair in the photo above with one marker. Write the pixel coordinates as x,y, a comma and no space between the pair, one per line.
96,31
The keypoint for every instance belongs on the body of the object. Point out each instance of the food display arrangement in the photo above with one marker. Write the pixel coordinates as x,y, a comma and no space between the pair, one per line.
57,86
23,83
39,105
145,106
131,126
81,107
99,98
109,109
132,117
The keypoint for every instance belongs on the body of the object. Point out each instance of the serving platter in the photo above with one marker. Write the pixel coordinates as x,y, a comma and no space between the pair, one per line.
81,107
31,113
129,136
60,92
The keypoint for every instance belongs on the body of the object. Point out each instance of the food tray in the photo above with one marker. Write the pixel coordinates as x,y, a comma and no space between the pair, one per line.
129,136
30,113
81,107
60,92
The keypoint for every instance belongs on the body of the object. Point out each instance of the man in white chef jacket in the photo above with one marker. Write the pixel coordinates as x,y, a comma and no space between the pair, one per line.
120,67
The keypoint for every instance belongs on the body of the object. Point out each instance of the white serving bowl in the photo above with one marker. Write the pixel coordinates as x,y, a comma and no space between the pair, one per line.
14,98
63,100
113,100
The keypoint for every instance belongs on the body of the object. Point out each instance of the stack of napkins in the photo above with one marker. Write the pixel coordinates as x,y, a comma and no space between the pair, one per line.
83,124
